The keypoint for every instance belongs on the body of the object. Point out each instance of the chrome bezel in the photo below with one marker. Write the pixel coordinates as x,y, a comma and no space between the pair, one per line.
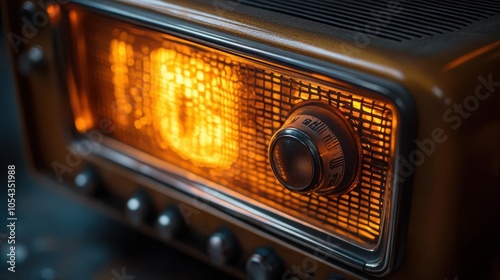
378,261
307,143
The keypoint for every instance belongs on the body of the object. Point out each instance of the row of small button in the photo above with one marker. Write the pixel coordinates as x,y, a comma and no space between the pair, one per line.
222,246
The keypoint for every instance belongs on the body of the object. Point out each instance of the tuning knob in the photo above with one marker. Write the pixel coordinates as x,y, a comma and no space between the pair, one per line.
315,150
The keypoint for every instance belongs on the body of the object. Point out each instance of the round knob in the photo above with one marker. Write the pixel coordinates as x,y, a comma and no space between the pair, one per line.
87,181
264,264
170,223
315,150
30,60
139,208
223,247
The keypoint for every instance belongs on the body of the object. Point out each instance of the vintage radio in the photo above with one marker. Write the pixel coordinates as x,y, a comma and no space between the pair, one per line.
275,139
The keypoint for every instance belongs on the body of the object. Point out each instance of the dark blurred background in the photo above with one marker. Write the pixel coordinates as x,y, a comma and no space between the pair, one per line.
57,237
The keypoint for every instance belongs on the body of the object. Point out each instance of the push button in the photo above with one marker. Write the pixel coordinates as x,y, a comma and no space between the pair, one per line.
223,247
139,208
86,181
170,223
264,264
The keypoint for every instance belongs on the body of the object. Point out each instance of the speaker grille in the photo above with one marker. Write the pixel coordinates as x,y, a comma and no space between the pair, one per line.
131,82
392,20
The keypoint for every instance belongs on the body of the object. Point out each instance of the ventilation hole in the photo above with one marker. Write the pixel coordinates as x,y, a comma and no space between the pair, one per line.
411,21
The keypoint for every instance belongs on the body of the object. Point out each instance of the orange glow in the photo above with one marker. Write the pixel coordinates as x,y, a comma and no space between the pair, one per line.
189,103
54,13
212,114
195,107
121,54
463,59
73,17
84,119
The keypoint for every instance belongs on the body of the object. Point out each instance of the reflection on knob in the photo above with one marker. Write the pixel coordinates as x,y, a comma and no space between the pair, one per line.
170,223
315,150
87,181
293,162
139,208
223,247
264,264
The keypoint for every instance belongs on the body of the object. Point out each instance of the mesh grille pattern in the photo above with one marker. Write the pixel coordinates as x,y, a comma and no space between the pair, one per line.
242,103
392,20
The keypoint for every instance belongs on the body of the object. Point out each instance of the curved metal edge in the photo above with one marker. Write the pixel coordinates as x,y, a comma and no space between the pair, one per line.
306,142
390,251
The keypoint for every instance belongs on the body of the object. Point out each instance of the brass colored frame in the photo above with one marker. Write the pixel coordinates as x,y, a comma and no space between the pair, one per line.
434,235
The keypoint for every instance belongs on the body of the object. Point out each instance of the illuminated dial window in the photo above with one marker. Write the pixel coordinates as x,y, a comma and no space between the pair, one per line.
213,114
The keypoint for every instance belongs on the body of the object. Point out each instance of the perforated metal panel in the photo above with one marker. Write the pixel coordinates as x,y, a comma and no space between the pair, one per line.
392,20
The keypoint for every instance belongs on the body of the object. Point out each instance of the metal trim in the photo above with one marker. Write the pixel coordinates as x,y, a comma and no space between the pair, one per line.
377,262
314,156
